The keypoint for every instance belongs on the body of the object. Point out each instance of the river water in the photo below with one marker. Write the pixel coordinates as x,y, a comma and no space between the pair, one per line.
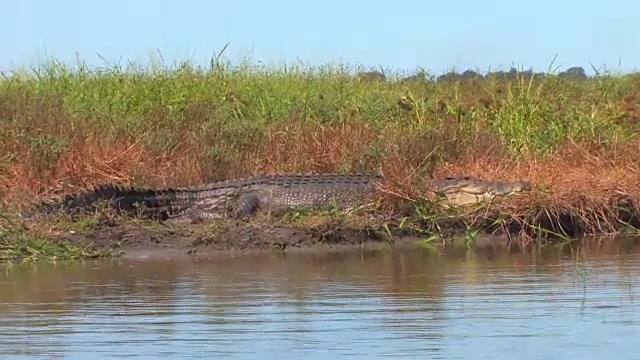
454,304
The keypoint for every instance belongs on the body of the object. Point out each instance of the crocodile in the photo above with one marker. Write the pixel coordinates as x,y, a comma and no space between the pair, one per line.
460,190
244,197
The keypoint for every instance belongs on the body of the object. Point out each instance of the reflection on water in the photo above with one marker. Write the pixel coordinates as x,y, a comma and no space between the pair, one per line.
462,305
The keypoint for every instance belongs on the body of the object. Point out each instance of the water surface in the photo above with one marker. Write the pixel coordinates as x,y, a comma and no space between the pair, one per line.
556,304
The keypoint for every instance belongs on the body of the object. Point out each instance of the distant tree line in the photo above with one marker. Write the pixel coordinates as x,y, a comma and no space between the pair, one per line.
575,73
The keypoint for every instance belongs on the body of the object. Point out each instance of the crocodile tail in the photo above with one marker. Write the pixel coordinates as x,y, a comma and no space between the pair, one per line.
121,199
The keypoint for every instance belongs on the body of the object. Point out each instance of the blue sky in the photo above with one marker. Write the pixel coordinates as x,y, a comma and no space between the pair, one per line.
401,35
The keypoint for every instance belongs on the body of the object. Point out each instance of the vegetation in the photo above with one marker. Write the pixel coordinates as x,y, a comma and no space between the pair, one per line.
16,243
68,127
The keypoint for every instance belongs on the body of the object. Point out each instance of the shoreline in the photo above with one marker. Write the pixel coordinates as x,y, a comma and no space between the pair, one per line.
135,239
507,223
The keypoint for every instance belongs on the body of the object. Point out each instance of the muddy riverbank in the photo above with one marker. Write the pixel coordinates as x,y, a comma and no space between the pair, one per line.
513,222
149,239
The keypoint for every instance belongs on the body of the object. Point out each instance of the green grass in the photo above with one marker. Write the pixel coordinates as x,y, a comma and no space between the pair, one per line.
231,112
18,244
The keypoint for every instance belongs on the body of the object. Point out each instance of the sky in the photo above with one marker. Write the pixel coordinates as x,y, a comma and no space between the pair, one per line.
436,36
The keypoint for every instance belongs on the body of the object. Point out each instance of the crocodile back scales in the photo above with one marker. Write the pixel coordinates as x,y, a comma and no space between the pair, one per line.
219,198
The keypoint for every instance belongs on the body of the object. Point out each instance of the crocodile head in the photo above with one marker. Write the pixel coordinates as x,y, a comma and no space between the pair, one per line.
465,190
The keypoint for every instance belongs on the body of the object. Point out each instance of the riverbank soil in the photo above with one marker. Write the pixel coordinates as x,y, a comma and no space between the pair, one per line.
143,238
148,239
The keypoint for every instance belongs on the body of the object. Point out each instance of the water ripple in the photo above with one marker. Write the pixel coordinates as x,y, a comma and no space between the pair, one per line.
381,307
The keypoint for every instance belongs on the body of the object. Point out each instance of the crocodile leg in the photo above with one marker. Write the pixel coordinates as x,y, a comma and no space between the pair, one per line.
246,205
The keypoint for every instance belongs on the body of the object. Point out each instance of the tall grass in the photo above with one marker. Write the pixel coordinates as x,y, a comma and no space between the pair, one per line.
63,127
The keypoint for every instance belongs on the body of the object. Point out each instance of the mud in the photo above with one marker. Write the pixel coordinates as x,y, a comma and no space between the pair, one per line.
144,240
